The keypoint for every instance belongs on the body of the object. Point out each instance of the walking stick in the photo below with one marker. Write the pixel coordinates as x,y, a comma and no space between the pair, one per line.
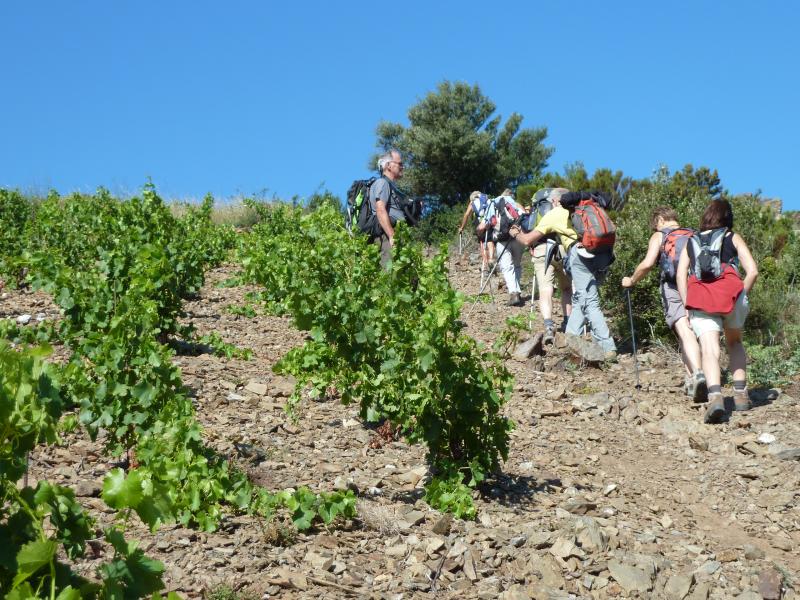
460,245
483,257
488,279
633,338
530,314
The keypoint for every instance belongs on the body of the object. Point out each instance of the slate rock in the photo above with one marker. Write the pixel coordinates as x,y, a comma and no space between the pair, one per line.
752,552
515,592
678,586
528,348
443,525
87,489
579,505
590,535
709,567
770,583
629,577
700,591
588,350
790,454
255,387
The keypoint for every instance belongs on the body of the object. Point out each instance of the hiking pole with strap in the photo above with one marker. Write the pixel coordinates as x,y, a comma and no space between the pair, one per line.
530,314
483,257
633,339
488,279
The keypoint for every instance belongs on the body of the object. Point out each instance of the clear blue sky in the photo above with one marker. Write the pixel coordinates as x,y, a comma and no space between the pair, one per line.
238,97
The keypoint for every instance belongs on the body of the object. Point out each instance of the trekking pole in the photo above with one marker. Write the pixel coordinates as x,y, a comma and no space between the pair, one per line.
483,257
633,339
488,279
530,314
460,245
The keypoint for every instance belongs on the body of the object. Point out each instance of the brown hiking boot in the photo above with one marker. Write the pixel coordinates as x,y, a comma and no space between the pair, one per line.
741,400
514,299
715,409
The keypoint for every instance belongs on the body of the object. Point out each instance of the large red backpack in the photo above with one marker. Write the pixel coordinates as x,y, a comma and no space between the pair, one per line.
596,231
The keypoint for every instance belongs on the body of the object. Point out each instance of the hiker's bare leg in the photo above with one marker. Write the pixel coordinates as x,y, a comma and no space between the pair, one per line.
709,350
546,301
737,354
690,349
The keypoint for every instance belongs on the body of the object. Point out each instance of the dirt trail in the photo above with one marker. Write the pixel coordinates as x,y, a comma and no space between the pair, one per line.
609,491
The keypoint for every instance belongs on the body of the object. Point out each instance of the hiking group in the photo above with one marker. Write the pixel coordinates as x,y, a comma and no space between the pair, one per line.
571,238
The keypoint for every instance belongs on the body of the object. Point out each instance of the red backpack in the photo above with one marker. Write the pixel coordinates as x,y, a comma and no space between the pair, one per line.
671,248
596,231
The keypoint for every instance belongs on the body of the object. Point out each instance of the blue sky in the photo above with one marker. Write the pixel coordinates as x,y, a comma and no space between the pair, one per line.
282,98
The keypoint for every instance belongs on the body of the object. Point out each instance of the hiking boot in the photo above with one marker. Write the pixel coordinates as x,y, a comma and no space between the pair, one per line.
514,299
696,387
549,336
715,409
741,400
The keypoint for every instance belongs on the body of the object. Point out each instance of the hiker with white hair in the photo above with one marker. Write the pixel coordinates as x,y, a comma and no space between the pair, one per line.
478,203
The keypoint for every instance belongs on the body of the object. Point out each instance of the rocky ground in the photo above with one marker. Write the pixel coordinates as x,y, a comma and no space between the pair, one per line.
609,491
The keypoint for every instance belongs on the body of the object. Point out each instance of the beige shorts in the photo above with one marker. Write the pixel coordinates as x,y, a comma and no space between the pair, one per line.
703,322
547,279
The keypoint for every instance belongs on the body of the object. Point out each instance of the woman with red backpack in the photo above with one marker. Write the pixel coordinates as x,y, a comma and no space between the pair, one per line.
716,301
664,248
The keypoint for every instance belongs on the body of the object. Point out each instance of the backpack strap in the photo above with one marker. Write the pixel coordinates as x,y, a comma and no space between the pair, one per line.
664,233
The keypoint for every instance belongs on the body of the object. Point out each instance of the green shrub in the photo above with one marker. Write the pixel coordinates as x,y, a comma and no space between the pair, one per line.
769,367
439,226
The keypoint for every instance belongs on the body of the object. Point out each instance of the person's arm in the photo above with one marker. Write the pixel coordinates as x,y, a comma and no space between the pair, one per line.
383,219
466,217
682,274
648,262
747,261
528,239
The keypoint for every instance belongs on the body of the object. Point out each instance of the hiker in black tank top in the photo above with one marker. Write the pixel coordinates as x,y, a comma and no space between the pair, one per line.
712,281
729,255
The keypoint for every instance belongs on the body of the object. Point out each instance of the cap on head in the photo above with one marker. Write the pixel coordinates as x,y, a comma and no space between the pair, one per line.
474,196
542,194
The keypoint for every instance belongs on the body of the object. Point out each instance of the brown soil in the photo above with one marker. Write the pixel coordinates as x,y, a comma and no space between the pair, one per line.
608,491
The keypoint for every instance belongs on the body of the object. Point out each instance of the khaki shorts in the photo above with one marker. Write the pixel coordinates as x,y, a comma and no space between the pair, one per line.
703,322
547,279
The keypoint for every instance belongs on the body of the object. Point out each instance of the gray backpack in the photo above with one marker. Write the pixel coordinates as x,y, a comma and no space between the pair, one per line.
707,265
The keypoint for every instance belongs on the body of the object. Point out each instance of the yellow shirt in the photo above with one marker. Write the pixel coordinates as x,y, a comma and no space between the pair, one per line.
557,221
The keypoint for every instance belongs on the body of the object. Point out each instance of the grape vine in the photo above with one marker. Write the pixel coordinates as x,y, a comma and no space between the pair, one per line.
391,340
